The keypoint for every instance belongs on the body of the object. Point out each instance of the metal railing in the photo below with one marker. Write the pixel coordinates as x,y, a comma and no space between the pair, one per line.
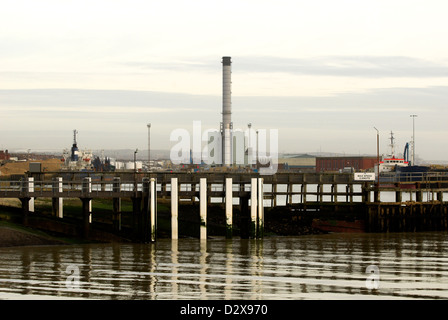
414,177
71,187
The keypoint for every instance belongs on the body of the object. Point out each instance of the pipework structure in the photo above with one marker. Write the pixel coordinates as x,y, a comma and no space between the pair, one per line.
226,124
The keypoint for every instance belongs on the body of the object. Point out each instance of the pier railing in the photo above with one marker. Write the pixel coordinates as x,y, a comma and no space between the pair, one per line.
414,177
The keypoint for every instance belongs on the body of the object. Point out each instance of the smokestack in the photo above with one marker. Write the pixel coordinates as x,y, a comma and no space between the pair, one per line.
226,129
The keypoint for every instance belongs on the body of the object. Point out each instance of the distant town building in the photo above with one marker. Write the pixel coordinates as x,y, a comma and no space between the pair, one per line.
298,162
4,155
337,164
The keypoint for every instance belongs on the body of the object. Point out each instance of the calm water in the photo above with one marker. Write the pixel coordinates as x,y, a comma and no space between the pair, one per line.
406,266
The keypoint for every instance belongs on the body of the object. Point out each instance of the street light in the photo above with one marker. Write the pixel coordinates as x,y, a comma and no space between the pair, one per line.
149,146
249,148
135,160
135,171
378,155
413,116
257,163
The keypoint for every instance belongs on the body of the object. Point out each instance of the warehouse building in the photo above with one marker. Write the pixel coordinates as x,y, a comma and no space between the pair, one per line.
344,163
298,163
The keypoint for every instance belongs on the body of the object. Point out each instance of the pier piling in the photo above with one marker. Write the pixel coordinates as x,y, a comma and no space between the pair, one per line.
116,202
203,208
229,207
174,209
57,201
253,207
153,208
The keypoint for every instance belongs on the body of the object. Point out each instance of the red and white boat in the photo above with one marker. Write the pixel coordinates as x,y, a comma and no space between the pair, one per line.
390,163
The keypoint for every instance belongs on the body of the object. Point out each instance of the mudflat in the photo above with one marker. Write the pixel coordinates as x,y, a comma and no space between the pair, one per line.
11,237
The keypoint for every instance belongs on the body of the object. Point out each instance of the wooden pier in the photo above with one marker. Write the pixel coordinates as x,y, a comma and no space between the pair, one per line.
395,206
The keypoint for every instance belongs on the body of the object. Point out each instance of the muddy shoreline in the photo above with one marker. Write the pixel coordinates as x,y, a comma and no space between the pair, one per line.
13,237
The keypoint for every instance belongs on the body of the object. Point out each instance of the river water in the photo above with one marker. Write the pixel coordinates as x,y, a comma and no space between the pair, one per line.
332,266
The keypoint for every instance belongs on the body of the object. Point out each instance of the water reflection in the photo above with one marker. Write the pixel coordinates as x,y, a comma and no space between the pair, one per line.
309,267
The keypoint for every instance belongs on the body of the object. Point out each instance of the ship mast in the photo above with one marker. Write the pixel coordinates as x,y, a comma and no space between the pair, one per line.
74,137
392,145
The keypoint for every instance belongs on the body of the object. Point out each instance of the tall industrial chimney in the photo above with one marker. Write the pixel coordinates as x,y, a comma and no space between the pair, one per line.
227,127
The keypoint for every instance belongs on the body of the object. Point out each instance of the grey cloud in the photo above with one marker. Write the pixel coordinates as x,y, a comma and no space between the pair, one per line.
108,98
362,66
338,120
342,66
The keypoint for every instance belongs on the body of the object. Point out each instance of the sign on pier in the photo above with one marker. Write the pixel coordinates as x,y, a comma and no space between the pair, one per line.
364,176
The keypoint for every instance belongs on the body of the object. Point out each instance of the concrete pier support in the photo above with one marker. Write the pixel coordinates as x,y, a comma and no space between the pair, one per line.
274,196
153,208
440,196
419,195
203,208
116,188
398,196
145,215
86,216
376,195
303,192
58,202
245,218
87,190
31,189
229,208
253,207
25,209
174,208
260,205
136,217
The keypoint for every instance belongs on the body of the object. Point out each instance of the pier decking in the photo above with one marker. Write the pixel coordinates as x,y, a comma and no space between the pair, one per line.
403,205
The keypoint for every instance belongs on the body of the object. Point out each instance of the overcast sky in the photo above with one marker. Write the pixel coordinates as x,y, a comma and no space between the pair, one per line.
322,72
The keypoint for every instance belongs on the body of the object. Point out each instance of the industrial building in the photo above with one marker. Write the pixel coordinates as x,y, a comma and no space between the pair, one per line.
340,163
298,163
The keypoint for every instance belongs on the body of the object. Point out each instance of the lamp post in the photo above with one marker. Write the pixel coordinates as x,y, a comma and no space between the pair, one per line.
377,155
135,160
135,170
149,146
257,163
249,149
413,116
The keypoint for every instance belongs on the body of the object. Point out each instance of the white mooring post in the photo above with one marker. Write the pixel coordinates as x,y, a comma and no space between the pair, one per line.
253,208
203,207
87,188
229,208
31,189
174,209
60,201
153,188
260,216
